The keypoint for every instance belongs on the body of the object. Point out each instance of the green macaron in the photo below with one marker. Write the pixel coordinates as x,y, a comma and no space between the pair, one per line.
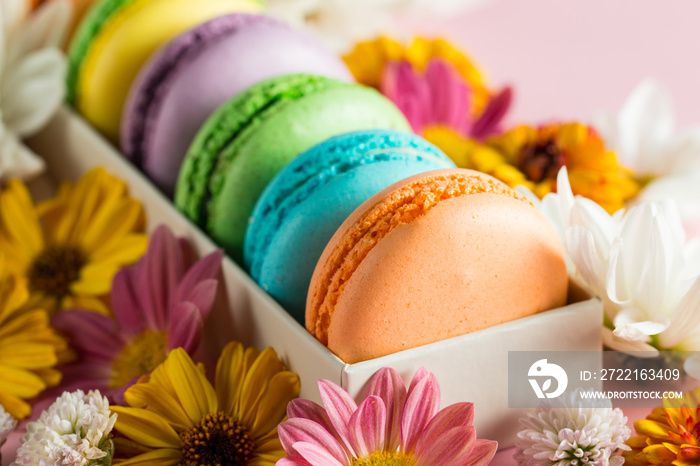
253,136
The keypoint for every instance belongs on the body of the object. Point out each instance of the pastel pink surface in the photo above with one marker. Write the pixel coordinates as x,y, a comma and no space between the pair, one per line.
569,59
470,262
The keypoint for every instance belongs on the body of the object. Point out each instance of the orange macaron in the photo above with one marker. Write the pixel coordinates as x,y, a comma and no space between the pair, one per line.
434,256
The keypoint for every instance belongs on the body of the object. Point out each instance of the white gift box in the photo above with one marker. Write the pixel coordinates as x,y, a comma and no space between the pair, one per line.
472,367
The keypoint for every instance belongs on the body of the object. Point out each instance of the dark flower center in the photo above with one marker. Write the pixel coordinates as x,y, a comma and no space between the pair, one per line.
542,160
55,269
218,440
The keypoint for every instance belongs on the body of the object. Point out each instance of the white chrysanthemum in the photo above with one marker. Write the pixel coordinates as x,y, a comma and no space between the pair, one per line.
74,431
32,77
341,23
644,136
7,424
640,263
573,435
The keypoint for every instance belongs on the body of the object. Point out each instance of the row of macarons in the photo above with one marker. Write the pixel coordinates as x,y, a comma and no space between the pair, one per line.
222,106
267,144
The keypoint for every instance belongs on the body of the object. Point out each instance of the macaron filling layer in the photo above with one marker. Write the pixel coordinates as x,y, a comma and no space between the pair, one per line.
276,211
403,206
217,143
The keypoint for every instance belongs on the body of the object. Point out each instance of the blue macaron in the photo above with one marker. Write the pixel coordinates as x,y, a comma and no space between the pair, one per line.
303,206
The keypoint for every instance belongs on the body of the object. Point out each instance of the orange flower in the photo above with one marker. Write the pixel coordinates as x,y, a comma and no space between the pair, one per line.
669,436
532,156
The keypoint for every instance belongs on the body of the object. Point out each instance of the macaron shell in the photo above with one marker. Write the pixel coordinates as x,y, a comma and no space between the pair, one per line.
125,42
409,267
257,50
280,137
447,274
297,244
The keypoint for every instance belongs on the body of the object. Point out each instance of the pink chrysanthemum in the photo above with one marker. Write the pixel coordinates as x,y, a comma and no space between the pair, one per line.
439,97
159,304
391,427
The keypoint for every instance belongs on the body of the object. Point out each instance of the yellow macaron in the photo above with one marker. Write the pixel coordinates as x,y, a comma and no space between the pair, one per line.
115,39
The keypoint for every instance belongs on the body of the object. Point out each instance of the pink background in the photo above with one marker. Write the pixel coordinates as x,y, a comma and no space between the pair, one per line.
568,59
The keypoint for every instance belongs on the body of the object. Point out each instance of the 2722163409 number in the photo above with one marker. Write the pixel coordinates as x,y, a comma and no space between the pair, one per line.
640,374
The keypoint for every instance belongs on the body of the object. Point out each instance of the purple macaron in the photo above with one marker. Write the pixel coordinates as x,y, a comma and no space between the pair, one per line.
183,83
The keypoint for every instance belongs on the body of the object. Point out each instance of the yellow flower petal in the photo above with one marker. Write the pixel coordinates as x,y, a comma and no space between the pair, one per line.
20,382
231,368
283,388
652,429
18,408
155,399
194,391
95,279
256,382
89,303
27,355
161,457
145,427
19,220
127,250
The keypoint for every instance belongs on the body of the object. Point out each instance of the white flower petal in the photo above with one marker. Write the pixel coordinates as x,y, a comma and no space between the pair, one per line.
683,152
638,348
33,91
692,366
615,286
16,160
590,268
683,189
685,323
46,27
633,324
12,15
646,123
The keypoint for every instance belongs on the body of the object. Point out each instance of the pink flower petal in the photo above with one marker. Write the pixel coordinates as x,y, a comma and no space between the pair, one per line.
125,303
422,403
202,296
483,453
207,268
307,409
185,327
317,456
490,119
292,462
388,385
452,447
160,269
368,427
339,407
293,431
456,415
409,91
450,97
95,337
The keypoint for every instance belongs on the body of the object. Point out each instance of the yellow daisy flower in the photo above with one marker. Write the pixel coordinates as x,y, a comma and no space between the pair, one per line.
29,348
367,60
532,157
176,416
70,247
669,436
